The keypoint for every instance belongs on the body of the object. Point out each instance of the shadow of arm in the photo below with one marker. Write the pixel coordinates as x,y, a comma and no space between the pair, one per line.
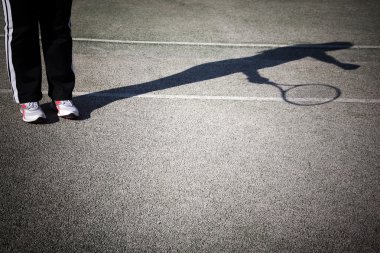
331,60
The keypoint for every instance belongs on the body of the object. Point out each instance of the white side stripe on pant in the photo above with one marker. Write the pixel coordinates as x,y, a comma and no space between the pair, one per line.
8,48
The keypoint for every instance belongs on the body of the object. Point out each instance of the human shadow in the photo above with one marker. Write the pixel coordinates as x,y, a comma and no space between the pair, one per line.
247,65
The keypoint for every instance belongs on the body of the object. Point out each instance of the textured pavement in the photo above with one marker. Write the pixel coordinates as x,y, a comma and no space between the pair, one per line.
186,148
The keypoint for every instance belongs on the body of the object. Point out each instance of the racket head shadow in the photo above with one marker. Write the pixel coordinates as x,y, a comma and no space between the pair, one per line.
310,94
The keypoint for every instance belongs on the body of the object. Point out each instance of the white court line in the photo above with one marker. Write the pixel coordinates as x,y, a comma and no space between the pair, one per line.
230,98
210,44
263,45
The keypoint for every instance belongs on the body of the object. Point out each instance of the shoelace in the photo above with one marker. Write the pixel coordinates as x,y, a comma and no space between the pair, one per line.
32,106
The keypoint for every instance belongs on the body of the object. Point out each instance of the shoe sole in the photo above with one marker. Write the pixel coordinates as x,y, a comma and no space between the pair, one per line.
37,121
70,116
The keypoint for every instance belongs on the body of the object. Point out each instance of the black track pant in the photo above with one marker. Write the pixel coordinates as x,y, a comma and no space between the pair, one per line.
23,19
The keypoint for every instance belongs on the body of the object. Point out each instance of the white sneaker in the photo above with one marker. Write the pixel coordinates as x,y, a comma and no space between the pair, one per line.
66,109
32,112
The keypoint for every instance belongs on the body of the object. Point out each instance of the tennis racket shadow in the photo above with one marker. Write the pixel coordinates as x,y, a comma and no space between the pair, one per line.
249,66
307,94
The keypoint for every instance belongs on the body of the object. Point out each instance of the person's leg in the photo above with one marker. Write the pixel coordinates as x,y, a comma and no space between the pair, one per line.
57,46
22,49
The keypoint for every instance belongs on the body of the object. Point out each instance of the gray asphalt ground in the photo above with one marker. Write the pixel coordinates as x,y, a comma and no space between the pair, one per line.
189,148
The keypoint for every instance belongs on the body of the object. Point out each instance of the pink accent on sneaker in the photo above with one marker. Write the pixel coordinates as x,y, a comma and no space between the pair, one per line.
57,103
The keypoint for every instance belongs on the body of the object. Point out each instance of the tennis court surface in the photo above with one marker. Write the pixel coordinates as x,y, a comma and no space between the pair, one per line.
207,126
